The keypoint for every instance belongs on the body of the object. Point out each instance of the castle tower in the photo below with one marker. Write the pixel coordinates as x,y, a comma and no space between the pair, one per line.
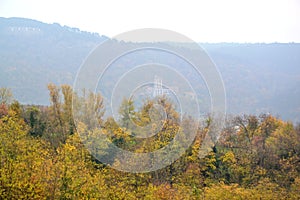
158,87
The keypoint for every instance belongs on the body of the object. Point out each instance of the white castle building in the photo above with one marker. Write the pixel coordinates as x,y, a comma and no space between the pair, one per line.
158,89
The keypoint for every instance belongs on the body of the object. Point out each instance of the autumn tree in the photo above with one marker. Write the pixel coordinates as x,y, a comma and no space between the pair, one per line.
6,96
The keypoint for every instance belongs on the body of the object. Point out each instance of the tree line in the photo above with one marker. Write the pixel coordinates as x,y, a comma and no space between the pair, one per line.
42,155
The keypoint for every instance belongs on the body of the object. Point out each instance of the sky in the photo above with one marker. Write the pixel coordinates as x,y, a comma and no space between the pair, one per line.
251,21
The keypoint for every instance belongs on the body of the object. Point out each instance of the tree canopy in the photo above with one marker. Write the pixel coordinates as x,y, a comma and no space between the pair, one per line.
42,155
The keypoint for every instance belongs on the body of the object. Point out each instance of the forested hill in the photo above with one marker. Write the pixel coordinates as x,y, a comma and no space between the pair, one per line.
34,53
258,77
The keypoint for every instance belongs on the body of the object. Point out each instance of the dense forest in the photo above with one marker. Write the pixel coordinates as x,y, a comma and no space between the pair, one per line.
42,155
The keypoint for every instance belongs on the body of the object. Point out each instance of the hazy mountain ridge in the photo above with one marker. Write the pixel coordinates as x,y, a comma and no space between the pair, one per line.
258,77
268,75
34,53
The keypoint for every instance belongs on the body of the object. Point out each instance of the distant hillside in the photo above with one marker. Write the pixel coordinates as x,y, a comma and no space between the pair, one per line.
33,54
258,77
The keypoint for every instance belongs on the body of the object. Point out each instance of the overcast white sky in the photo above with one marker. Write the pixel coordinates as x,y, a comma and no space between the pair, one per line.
202,21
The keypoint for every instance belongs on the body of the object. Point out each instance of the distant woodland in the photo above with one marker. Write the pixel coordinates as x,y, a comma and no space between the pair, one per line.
258,78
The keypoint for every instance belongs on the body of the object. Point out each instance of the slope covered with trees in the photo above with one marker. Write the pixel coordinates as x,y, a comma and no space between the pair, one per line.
259,78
